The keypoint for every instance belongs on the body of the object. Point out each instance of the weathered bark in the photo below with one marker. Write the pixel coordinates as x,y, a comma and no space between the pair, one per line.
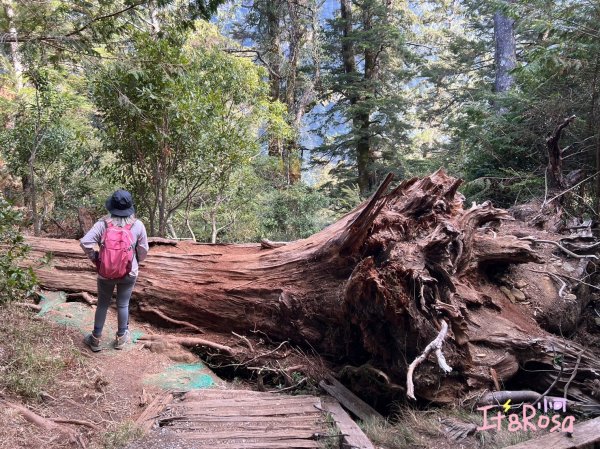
373,287
506,51
555,156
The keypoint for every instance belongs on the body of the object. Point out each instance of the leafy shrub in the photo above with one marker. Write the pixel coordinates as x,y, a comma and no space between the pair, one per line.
15,282
294,212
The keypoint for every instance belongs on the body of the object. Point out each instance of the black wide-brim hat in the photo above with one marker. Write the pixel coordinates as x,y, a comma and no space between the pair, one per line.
120,204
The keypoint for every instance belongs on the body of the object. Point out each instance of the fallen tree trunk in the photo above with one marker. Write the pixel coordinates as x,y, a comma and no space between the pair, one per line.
373,287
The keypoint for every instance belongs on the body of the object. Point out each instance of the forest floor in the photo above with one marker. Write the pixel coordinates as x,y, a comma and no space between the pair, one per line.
45,366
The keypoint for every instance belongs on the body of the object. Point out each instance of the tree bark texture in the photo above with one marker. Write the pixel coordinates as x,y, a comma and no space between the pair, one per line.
506,51
373,288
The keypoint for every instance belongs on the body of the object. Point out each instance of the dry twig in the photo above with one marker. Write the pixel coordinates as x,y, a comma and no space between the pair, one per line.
562,248
245,340
172,320
435,345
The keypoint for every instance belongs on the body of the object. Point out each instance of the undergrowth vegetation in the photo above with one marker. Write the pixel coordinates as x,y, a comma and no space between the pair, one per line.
121,435
32,355
410,428
15,282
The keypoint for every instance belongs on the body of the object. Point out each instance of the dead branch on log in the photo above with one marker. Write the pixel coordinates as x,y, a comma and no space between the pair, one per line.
152,241
26,305
562,248
172,320
436,345
82,296
188,341
268,244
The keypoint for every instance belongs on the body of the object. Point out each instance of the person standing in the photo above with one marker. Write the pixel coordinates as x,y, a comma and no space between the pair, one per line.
123,244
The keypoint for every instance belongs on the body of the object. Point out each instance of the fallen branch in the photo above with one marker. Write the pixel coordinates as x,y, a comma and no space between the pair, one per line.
188,341
172,320
516,397
266,353
245,339
45,423
268,244
545,393
562,248
436,345
573,374
569,189
27,305
78,422
82,296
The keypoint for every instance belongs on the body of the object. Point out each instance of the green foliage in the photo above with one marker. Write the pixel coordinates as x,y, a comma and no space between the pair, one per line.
15,282
52,130
292,213
366,63
123,434
186,115
33,360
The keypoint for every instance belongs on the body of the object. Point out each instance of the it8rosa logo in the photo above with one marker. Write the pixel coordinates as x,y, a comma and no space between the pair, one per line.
529,419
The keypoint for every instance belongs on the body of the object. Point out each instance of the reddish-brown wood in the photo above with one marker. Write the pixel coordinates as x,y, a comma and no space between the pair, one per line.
374,286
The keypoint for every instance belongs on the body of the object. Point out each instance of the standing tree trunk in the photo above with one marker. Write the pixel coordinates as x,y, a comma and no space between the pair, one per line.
360,120
506,51
273,31
376,286
15,55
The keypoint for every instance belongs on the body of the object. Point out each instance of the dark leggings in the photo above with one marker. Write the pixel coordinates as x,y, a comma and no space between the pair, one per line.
105,291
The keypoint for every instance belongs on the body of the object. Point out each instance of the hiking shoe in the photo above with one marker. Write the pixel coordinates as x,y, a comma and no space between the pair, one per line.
122,340
92,342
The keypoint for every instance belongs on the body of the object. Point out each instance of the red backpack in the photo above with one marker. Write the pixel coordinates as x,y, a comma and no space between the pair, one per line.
116,251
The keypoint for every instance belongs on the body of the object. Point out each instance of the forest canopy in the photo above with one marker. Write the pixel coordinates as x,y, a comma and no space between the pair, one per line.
270,119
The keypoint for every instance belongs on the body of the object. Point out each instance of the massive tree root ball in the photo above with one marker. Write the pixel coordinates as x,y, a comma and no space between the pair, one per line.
373,290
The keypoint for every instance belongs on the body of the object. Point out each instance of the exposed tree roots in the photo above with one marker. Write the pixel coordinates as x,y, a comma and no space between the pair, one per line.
376,288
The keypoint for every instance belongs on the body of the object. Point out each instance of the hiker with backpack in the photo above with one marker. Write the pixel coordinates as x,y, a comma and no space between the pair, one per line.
123,244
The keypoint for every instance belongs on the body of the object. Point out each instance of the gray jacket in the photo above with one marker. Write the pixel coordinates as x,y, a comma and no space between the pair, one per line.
94,236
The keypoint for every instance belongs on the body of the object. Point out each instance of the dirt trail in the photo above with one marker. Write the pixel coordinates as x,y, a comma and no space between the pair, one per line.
108,389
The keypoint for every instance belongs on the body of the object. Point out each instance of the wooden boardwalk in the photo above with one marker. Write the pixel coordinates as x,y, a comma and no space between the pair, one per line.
242,419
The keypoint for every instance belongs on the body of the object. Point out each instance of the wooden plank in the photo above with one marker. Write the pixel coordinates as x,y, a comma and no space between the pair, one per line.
255,426
248,402
229,394
264,411
151,412
272,419
349,400
353,436
261,434
280,444
586,435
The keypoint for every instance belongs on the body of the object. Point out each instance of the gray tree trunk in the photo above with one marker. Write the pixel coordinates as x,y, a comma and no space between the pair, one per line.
14,46
506,54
